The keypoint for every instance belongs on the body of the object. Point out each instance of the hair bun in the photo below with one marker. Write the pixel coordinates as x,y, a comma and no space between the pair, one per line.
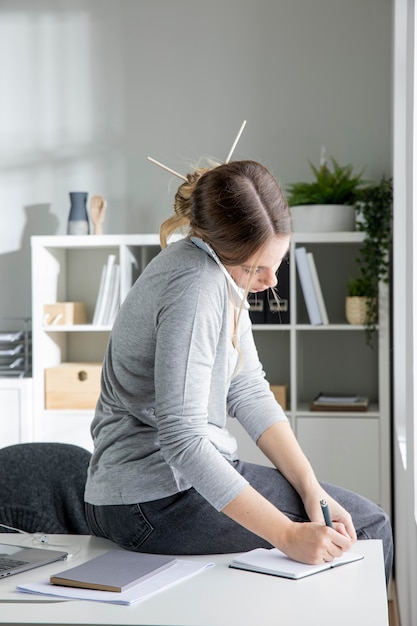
182,205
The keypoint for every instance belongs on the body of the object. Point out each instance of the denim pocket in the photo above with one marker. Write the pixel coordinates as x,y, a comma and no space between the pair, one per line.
125,524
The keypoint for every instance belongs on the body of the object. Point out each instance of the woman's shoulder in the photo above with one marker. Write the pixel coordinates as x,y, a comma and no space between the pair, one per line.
190,271
185,256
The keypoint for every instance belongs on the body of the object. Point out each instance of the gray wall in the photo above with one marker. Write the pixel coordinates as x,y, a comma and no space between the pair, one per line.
90,88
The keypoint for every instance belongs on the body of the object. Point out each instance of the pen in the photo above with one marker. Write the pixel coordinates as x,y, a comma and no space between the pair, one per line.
326,513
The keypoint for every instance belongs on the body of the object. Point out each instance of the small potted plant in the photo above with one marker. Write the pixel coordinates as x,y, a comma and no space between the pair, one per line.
358,307
374,209
327,203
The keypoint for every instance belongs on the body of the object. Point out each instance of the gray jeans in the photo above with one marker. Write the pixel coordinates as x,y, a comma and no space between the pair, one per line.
186,523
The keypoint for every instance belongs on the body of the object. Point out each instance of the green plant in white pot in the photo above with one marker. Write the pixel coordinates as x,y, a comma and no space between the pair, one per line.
327,203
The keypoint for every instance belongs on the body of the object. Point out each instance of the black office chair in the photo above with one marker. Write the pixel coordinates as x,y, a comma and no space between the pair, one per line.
42,488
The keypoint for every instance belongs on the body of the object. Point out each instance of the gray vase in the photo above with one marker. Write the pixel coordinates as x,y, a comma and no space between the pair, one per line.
78,217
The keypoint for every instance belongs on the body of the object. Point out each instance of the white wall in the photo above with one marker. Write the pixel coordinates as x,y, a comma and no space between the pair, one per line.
89,88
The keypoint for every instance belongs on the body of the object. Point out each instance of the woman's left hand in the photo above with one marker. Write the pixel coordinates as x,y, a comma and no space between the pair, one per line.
341,519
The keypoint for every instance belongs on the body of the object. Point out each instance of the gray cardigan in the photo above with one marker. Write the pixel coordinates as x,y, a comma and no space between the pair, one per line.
169,382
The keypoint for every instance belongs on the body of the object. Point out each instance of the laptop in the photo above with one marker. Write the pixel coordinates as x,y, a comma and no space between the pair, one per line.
16,559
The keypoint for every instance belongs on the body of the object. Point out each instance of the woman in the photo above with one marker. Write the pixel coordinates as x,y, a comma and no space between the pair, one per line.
165,476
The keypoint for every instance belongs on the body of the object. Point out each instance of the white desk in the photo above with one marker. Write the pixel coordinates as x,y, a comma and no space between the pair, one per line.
219,596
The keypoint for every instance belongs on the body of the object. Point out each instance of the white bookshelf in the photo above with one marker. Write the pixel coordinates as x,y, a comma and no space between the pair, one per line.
350,449
68,269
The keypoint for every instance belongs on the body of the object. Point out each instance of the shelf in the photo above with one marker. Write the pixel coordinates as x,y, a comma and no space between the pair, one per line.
95,241
89,413
372,412
309,327
273,327
77,328
330,238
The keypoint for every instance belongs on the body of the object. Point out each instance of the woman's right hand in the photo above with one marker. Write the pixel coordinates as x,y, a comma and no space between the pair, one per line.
308,542
313,543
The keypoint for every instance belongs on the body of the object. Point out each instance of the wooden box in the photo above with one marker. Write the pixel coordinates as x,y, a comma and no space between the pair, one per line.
280,392
72,386
64,313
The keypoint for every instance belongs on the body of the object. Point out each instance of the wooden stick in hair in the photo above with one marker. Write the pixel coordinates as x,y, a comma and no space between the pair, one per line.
168,169
229,156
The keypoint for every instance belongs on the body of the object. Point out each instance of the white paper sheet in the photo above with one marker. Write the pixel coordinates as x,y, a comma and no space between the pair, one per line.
177,573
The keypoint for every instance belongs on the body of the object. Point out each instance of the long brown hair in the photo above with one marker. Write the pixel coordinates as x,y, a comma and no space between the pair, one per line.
235,207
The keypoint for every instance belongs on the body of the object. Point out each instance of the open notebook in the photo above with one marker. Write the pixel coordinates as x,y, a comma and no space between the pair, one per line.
276,563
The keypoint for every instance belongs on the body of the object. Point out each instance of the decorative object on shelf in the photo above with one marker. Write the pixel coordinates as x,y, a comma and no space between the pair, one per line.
356,309
327,203
78,217
72,386
64,313
281,394
98,208
374,209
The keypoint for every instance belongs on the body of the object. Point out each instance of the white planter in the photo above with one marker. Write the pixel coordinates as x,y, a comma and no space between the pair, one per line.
323,218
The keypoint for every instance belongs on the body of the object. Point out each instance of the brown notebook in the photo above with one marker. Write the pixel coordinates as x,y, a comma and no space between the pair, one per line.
115,570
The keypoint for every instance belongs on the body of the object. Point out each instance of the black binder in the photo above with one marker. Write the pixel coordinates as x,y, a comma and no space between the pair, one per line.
279,312
265,308
257,307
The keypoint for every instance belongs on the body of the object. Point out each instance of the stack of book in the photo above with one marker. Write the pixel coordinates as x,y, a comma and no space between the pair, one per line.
339,402
310,285
108,299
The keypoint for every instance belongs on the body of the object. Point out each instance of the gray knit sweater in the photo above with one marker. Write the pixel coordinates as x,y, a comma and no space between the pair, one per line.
169,383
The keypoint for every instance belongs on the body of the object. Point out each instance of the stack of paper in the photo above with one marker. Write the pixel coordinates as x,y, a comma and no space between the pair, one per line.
131,576
338,402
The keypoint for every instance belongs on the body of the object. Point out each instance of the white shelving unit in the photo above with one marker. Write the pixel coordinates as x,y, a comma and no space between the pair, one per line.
68,269
349,449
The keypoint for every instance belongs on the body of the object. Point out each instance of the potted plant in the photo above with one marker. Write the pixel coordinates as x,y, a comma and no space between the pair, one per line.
358,307
374,209
327,203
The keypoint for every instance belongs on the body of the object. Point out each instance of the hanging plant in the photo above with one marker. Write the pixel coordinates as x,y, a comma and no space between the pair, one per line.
374,210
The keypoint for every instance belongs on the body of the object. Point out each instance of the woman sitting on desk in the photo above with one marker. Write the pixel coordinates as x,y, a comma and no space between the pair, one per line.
165,475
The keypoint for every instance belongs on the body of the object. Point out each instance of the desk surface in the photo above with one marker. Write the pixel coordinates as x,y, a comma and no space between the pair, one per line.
219,596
